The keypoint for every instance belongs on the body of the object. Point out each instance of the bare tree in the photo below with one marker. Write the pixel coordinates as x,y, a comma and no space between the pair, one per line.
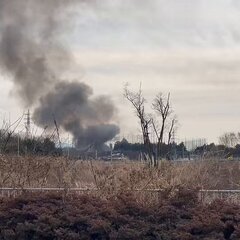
230,139
138,102
162,106
172,128
7,133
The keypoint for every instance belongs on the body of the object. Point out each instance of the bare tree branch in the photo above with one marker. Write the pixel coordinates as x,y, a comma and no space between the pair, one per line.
138,102
172,128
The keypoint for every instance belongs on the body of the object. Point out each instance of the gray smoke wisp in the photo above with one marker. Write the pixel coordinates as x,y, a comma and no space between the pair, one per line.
26,45
32,56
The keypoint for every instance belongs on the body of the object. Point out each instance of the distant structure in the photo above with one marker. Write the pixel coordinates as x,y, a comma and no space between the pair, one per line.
192,144
28,124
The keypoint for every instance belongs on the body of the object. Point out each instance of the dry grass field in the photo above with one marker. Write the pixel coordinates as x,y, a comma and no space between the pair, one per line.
111,178
42,172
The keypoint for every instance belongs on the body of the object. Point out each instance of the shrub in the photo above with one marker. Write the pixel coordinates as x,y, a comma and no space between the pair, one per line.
88,217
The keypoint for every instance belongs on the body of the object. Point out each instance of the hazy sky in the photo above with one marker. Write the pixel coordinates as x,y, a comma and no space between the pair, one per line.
190,48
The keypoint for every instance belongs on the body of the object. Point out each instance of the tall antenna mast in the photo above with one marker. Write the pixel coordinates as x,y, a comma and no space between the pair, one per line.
28,124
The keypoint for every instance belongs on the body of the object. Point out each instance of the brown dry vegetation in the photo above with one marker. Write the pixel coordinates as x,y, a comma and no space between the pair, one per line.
62,172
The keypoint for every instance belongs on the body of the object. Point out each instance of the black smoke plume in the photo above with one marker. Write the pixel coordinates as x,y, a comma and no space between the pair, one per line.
75,109
31,55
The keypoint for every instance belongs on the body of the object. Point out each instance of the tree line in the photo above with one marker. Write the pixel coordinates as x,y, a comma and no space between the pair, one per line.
12,143
168,151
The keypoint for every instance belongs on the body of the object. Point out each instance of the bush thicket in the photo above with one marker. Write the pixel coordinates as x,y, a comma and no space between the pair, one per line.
180,217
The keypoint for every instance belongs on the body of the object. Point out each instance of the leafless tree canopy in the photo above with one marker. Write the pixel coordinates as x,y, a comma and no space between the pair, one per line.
166,121
164,124
138,102
230,139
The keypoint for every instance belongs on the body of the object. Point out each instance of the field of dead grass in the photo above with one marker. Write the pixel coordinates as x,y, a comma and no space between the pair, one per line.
109,177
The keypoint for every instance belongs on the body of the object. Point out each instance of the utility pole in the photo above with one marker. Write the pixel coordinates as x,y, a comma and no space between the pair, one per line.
18,150
68,151
174,146
111,147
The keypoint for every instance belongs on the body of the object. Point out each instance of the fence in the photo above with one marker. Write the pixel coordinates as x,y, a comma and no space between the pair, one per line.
208,196
205,196
14,192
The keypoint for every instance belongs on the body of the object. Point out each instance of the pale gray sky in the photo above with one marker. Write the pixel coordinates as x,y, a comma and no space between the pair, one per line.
188,47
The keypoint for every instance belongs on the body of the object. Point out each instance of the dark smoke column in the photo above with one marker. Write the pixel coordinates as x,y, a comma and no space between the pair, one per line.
30,54
87,119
